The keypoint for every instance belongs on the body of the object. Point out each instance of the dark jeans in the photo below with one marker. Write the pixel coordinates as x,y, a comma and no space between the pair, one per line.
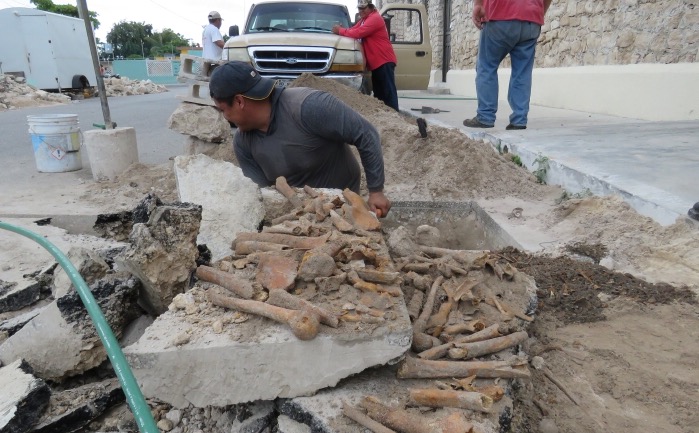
383,80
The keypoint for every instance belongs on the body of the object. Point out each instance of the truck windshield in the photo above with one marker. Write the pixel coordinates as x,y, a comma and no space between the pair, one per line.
296,17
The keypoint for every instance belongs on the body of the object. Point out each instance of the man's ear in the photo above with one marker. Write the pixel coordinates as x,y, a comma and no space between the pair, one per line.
240,100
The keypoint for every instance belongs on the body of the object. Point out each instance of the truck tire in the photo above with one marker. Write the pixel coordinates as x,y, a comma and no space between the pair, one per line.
366,87
80,82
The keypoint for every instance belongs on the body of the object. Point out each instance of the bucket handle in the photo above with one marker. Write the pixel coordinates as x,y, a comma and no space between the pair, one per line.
80,145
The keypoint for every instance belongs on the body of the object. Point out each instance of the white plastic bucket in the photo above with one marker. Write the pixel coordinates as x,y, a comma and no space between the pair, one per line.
56,139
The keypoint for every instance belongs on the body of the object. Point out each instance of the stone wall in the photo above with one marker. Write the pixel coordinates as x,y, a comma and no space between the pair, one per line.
583,32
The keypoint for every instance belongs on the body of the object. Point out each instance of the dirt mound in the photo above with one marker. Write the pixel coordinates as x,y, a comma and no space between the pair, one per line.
444,166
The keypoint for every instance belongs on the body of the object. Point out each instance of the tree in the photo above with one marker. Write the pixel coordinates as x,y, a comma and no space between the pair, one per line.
130,38
133,40
68,10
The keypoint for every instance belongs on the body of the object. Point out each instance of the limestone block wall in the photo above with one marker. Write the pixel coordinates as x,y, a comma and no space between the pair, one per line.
582,32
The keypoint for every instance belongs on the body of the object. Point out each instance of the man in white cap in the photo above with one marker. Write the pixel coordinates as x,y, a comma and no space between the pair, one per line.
299,133
211,39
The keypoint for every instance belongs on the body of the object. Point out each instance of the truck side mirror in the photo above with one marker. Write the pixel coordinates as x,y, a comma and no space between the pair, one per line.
233,31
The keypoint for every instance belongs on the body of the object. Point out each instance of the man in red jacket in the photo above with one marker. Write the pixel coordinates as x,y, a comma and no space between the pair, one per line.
380,57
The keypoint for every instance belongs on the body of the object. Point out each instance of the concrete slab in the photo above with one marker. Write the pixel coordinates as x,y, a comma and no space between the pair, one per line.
254,360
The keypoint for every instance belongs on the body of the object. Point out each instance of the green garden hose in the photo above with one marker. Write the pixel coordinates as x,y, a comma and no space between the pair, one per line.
134,397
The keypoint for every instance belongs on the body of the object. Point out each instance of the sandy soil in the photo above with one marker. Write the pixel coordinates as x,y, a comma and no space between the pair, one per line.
626,350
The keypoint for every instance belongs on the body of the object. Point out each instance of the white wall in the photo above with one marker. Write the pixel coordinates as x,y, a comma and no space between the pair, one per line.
640,91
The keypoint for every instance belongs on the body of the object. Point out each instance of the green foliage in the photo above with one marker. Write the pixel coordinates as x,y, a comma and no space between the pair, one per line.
137,40
517,160
568,196
542,167
68,10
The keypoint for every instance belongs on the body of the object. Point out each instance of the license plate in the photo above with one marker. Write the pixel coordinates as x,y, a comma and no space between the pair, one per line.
283,82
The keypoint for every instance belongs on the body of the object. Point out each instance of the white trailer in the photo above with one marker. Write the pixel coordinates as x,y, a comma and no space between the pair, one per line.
50,50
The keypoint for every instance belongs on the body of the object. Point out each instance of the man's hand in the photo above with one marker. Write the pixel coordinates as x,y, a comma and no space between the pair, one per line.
379,204
478,16
336,29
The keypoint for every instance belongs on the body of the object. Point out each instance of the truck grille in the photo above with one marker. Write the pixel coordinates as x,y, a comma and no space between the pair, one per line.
291,59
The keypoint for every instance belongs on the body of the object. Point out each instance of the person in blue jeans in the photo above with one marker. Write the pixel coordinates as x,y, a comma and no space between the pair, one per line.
507,27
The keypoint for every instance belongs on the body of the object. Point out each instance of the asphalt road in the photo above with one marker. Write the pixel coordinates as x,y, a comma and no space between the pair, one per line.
148,114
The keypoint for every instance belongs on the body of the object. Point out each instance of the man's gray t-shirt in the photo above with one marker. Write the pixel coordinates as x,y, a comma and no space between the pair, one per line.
306,143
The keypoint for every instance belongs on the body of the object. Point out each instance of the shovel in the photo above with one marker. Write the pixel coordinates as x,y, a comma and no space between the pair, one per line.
429,110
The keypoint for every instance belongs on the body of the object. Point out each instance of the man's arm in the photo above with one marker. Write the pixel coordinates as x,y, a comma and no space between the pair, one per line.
372,24
478,17
327,116
251,169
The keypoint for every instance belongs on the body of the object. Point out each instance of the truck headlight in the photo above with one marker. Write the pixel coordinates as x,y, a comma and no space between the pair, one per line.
236,54
349,57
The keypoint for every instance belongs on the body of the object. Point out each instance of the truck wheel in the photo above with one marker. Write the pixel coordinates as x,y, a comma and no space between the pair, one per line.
80,82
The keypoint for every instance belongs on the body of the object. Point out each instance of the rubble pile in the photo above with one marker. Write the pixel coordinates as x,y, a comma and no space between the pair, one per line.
324,319
126,87
16,93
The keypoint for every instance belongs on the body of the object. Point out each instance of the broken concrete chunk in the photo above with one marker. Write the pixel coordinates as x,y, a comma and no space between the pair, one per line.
115,226
163,253
62,341
88,263
72,409
230,365
231,203
23,397
17,295
11,326
401,244
200,121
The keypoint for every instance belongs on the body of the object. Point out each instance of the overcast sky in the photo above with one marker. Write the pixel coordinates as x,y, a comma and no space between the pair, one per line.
186,17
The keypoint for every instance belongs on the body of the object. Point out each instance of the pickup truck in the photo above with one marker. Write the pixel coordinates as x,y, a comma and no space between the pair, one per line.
283,39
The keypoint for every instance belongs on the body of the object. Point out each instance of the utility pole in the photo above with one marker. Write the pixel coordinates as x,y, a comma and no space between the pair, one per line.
83,12
143,53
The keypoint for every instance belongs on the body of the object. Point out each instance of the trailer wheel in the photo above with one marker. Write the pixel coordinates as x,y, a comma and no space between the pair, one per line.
80,82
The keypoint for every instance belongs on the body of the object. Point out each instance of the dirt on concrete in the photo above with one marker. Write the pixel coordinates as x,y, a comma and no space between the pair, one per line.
617,323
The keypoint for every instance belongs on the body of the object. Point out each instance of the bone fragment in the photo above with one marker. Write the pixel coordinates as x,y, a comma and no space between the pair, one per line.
415,304
507,310
248,247
460,328
300,242
362,419
277,272
281,298
406,422
480,348
330,284
491,331
449,398
420,268
310,191
469,258
496,392
287,191
436,352
240,287
371,287
304,324
381,277
340,223
294,214
415,368
438,320
362,217
421,323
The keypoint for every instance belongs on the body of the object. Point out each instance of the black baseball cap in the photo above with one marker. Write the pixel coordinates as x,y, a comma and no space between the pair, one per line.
239,78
